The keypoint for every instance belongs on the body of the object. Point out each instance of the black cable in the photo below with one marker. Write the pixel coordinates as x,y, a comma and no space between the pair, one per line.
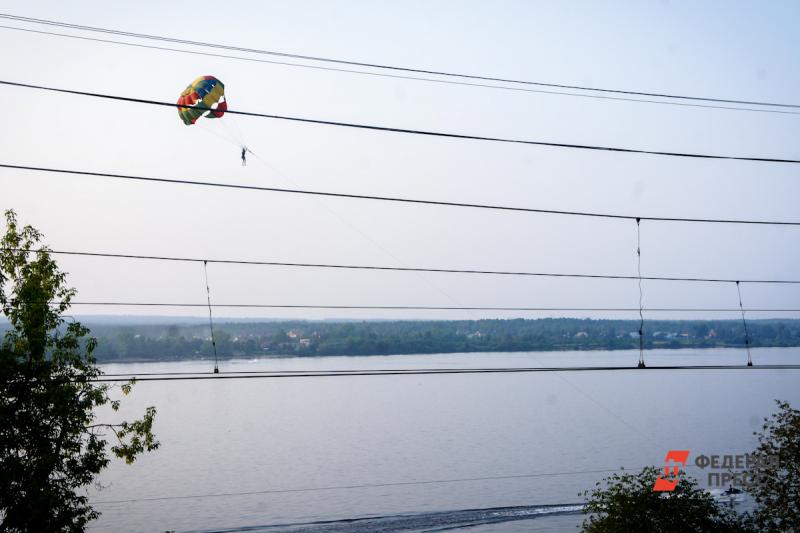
744,323
402,77
408,269
395,199
210,321
641,304
379,66
364,486
409,131
358,371
375,371
432,308
427,371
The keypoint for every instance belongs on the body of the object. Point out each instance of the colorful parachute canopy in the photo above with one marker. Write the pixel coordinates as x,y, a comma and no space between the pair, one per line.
203,94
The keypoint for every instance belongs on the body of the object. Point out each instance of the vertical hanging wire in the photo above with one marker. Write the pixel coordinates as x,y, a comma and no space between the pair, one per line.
210,320
744,323
641,304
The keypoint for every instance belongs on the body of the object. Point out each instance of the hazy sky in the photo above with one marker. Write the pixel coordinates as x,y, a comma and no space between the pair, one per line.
720,49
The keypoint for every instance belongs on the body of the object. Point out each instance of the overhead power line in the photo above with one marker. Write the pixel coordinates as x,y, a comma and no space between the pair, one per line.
395,199
427,133
412,269
202,44
407,77
431,371
388,371
367,486
432,308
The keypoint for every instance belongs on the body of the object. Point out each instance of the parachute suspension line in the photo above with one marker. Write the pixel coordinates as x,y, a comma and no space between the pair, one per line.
234,134
744,323
230,138
641,304
232,128
207,128
237,131
210,320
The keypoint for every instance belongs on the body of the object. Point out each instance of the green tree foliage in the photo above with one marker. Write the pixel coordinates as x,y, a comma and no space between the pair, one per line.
776,466
626,502
51,445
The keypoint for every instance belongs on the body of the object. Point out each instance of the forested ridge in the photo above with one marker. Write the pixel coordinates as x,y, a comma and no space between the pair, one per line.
163,341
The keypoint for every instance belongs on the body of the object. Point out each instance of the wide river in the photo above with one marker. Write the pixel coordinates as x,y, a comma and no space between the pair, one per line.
495,451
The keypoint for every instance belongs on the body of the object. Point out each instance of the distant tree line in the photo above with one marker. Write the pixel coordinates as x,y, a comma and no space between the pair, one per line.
306,338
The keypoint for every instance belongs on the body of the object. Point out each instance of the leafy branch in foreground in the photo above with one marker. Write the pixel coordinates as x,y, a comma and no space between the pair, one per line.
626,502
51,447
776,467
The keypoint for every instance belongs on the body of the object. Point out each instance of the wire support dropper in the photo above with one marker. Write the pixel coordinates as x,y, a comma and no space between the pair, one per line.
641,304
744,323
210,319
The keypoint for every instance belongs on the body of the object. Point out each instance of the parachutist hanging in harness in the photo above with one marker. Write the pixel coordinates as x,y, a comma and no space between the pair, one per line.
244,156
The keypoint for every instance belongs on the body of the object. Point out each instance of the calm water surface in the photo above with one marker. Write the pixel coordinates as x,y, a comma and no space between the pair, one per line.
304,448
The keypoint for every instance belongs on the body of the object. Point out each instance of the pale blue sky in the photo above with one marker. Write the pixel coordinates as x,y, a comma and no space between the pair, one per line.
741,50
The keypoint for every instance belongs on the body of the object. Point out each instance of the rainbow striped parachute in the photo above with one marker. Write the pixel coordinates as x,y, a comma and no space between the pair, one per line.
206,92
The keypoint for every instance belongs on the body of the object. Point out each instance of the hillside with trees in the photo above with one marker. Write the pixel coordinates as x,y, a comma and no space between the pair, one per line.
191,340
